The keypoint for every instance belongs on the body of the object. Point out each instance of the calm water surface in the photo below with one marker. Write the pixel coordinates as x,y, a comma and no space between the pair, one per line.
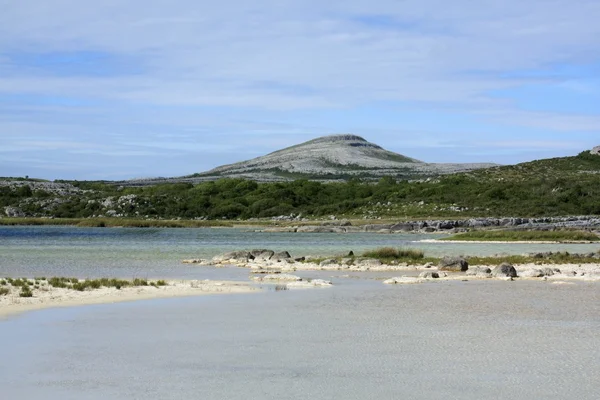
358,340
135,252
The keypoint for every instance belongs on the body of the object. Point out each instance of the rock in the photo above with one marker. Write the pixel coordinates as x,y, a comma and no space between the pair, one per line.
478,270
429,275
194,261
234,256
328,262
453,264
309,284
13,212
504,270
595,151
299,259
351,254
278,277
531,273
402,280
483,274
428,265
347,261
369,262
262,254
283,255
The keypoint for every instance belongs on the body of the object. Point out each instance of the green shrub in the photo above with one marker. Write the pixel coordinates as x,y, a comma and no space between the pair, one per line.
26,292
4,291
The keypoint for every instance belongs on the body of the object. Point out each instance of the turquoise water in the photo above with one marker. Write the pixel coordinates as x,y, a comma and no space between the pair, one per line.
155,253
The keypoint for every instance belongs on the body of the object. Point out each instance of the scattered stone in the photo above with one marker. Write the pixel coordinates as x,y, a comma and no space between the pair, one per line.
262,254
403,280
532,273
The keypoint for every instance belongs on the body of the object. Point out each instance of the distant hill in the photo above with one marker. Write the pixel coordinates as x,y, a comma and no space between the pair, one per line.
328,158
335,157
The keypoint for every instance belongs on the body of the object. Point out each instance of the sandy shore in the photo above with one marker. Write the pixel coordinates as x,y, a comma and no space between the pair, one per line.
49,297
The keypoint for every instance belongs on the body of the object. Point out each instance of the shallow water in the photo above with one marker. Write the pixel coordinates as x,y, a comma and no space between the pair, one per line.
157,252
358,340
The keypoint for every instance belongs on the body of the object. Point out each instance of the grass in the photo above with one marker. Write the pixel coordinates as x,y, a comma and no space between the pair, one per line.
115,222
530,235
4,291
388,254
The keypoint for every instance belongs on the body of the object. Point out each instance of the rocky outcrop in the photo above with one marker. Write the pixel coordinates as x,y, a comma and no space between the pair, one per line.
596,150
453,264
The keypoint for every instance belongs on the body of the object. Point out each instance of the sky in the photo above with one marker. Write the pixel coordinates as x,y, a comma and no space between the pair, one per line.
128,89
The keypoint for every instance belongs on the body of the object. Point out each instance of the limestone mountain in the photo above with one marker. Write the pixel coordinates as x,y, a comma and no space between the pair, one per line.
334,157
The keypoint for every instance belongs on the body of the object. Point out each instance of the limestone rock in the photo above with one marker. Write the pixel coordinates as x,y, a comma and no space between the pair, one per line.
234,256
596,150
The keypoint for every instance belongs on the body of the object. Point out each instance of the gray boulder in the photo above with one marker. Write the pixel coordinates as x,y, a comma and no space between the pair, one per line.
504,270
453,264
328,262
478,270
262,254
532,273
234,256
596,150
429,274
282,255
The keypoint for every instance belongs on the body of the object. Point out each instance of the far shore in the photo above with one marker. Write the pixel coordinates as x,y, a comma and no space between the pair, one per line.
51,297
503,241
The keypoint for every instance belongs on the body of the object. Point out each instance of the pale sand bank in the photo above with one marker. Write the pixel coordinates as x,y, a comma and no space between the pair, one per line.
49,297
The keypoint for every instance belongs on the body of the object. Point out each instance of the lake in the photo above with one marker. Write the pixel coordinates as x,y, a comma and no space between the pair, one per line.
358,340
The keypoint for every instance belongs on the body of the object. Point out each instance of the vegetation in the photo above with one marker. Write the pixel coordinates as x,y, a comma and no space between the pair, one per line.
387,255
72,283
526,235
393,256
551,187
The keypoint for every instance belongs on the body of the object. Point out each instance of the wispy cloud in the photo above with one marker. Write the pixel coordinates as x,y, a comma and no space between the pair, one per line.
217,77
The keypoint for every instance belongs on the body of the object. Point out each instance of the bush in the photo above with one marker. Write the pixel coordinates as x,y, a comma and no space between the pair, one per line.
26,292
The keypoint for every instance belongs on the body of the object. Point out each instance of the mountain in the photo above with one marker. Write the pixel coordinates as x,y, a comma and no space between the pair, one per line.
333,157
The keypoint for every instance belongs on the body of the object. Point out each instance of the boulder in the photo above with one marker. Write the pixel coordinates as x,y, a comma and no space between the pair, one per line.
308,284
532,273
453,264
504,270
328,262
234,256
478,270
262,254
429,275
283,255
595,151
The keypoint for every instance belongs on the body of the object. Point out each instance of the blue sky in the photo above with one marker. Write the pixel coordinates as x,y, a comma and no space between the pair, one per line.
149,88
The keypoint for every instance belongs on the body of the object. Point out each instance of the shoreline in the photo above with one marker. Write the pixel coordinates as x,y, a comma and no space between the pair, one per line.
11,304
